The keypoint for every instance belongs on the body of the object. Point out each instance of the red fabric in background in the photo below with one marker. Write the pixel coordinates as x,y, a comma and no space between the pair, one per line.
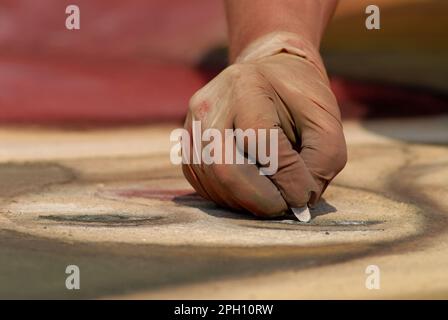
38,90
136,61
174,30
131,60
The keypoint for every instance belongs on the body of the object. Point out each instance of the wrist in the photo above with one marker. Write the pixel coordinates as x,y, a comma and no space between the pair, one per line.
280,41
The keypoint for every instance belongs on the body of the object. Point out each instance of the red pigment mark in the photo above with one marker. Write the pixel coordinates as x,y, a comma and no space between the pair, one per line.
203,109
166,195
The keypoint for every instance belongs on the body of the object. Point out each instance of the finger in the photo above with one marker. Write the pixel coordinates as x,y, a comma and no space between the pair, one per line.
292,177
239,186
243,185
193,172
306,101
322,142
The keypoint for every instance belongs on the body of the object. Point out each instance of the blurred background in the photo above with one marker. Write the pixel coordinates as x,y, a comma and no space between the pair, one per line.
139,61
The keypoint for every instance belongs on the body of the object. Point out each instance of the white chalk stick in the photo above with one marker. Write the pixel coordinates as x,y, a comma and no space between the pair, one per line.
303,214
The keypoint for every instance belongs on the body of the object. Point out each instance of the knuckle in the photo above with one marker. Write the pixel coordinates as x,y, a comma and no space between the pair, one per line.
327,156
239,73
334,149
342,159
336,155
199,106
194,102
234,71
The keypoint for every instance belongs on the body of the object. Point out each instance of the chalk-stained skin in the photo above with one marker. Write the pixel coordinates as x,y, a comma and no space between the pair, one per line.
278,82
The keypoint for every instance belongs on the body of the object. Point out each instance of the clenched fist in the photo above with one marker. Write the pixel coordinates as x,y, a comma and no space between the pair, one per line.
277,83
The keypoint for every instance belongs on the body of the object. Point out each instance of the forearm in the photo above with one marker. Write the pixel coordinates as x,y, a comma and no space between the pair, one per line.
248,20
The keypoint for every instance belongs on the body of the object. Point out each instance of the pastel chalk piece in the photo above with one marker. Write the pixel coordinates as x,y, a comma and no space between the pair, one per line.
302,213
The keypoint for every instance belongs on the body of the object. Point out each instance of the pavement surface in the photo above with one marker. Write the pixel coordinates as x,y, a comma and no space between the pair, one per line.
109,201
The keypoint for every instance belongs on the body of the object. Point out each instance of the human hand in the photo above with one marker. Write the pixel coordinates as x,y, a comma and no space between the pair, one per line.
277,83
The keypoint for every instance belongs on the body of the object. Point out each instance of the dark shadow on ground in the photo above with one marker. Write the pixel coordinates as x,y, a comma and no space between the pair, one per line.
210,208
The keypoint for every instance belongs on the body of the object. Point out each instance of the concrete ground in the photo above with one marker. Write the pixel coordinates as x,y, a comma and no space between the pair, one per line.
109,201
